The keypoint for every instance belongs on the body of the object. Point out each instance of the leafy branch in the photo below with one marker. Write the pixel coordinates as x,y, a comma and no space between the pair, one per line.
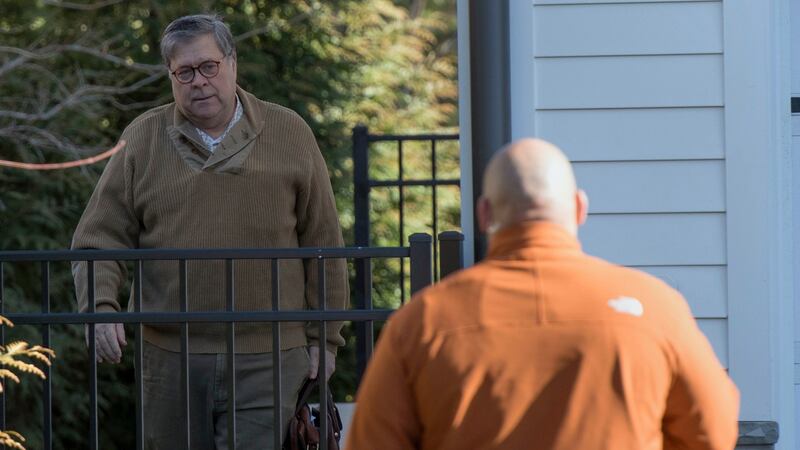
12,439
10,362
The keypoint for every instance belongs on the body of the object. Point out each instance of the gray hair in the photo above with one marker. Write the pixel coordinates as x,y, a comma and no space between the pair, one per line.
188,28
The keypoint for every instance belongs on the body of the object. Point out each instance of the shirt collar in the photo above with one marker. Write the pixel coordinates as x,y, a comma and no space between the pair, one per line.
212,143
514,240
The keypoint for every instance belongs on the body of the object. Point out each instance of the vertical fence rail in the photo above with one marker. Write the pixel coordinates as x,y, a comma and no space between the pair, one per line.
184,298
402,208
138,357
93,436
363,282
365,351
323,357
3,343
434,212
231,363
47,384
277,435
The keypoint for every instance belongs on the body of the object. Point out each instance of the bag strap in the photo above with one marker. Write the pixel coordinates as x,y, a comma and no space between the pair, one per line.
305,393
302,400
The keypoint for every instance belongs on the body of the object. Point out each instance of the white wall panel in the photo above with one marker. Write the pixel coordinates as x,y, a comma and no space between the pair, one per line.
716,330
795,45
629,81
656,239
704,287
653,186
635,134
638,29
758,210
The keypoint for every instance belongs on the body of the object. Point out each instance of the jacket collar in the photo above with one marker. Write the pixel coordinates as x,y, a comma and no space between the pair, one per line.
516,241
189,144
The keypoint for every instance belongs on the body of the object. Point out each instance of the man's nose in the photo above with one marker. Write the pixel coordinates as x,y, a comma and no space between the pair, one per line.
199,79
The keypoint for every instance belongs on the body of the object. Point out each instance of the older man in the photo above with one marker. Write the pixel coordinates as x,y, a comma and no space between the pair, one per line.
541,346
218,168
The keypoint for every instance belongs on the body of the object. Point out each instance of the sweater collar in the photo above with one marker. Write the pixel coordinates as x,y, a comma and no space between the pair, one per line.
516,240
184,134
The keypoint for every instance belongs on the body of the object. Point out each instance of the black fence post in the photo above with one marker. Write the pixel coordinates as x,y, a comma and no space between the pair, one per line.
363,285
361,184
420,245
451,252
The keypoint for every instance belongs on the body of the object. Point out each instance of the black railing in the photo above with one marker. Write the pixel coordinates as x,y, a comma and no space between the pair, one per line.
419,253
363,185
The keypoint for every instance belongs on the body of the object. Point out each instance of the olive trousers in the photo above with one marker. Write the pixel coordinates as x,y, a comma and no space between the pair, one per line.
165,415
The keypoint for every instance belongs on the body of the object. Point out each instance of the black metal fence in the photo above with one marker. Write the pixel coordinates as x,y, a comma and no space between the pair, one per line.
363,186
418,252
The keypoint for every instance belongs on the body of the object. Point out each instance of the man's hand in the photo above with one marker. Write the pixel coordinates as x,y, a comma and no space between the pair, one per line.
110,340
330,363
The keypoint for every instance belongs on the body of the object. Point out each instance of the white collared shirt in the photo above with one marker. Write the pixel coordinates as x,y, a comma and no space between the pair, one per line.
212,143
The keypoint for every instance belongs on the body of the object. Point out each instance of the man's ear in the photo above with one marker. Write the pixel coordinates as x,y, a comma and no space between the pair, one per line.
581,207
484,210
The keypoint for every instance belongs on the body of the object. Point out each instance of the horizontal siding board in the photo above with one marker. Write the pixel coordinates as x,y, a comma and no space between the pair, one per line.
704,287
638,29
653,186
629,82
795,47
546,3
639,134
657,239
716,330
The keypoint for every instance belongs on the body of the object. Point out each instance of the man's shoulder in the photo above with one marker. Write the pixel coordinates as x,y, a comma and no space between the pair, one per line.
612,273
150,119
463,285
664,304
280,110
269,110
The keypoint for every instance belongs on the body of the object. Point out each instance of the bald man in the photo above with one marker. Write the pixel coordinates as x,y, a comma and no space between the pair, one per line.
541,346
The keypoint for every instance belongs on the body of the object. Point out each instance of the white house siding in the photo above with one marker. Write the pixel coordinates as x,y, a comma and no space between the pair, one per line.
795,86
669,111
634,93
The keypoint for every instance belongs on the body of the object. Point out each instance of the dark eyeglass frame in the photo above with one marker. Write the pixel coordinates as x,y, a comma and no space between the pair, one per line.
196,69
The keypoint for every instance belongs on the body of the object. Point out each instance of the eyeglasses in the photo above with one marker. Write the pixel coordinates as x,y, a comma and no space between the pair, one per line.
208,69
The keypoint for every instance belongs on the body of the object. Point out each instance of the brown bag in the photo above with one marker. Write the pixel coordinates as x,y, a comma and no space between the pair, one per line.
304,433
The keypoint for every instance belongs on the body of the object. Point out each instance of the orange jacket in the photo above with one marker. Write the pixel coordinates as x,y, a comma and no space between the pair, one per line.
544,347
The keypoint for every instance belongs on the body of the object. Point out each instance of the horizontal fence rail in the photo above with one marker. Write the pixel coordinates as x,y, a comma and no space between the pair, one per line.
198,317
419,252
194,254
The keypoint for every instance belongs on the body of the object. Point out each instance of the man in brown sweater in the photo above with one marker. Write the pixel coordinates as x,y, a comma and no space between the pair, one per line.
218,168
541,346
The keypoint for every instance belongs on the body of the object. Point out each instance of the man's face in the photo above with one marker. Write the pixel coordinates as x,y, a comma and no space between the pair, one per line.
207,102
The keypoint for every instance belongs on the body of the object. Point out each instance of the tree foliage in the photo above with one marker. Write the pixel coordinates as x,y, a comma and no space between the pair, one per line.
74,73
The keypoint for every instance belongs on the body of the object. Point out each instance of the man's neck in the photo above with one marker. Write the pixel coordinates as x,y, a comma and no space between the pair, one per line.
217,129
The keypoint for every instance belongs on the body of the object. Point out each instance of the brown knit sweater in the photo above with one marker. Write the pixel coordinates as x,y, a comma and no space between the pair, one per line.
265,186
